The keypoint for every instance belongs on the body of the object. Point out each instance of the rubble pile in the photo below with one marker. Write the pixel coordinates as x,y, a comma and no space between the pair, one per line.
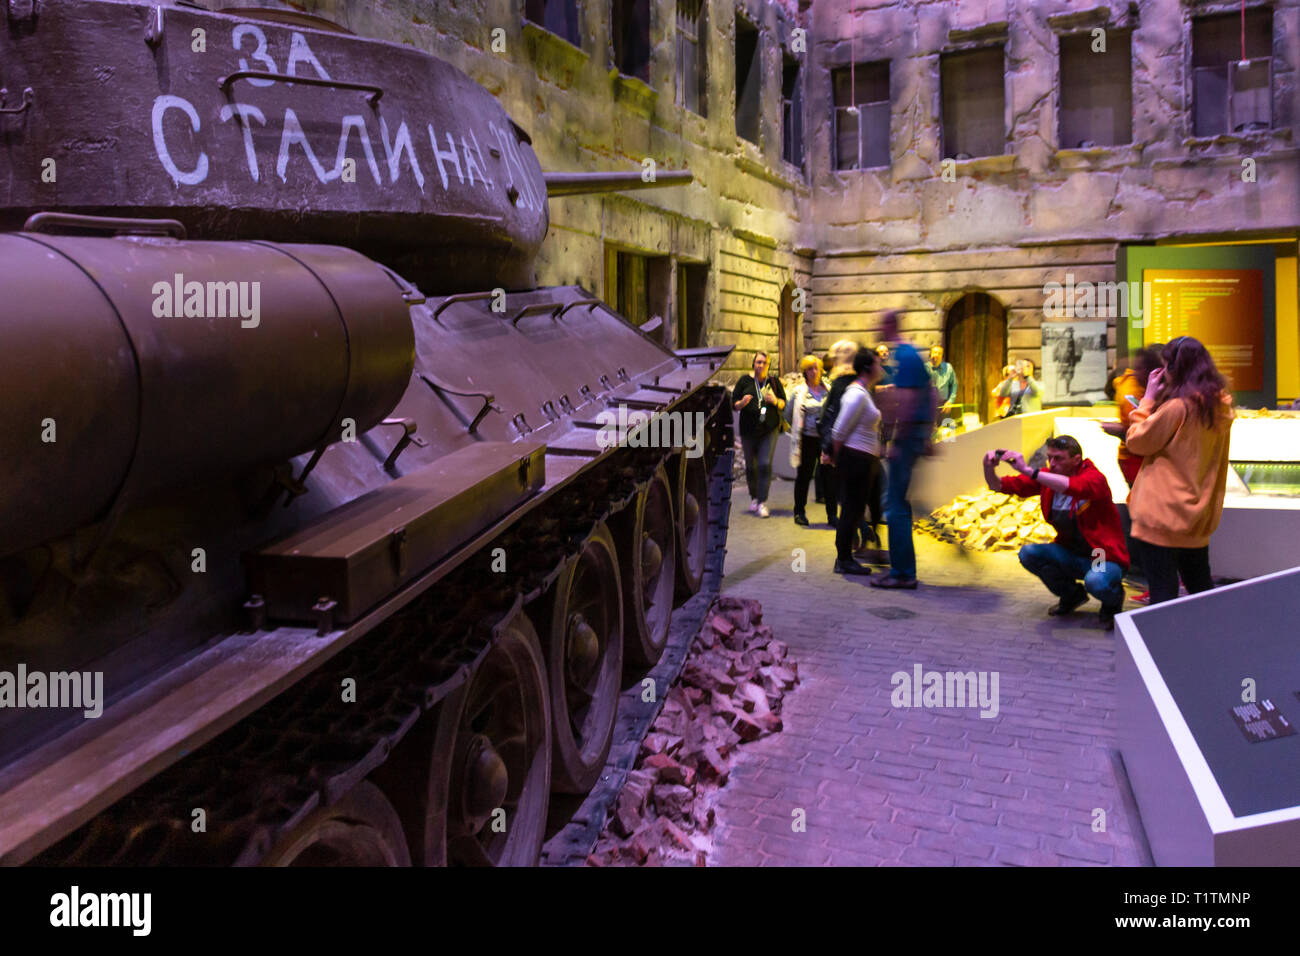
991,521
730,692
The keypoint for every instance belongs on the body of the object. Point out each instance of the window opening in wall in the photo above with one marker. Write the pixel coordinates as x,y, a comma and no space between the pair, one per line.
638,286
1232,72
631,33
1096,91
974,103
692,284
555,16
791,111
748,80
788,331
690,56
860,94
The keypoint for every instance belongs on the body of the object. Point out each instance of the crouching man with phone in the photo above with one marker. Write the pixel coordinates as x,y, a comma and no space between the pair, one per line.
1076,501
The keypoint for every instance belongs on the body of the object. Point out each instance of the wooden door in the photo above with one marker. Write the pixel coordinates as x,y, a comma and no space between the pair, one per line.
787,333
975,340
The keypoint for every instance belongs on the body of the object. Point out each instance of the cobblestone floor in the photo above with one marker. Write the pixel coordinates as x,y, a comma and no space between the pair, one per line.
880,784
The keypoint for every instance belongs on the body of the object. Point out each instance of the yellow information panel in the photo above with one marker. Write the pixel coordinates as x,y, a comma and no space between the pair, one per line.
1224,308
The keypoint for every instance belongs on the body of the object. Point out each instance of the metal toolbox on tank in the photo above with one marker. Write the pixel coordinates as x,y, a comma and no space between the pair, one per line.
353,557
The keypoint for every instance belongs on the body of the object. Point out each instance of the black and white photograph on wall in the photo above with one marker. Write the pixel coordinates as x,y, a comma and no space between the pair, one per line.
1074,362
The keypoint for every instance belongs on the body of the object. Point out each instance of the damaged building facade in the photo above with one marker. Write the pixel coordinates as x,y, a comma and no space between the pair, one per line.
949,159
1032,143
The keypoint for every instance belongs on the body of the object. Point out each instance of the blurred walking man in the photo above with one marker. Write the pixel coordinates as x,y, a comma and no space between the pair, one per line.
911,404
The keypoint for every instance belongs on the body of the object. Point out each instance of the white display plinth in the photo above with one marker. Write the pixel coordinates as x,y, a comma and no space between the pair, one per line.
1206,794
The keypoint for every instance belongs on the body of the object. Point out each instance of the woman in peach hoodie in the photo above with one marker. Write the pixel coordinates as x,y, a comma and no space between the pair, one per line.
1181,430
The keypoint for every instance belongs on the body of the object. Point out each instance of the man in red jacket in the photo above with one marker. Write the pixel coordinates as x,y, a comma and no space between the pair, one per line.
1089,543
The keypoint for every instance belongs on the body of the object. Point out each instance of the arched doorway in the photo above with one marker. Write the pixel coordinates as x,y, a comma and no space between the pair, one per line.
787,332
975,339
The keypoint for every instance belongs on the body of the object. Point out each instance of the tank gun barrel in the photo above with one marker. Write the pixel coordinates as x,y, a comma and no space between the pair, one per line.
577,184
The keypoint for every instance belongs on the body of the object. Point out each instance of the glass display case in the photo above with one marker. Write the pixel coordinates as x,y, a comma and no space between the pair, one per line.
1269,477
1265,454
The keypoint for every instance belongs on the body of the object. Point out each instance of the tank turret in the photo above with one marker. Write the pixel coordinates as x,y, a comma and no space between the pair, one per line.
262,125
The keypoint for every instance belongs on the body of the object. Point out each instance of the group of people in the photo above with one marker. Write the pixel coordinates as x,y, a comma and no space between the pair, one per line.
863,424
1175,418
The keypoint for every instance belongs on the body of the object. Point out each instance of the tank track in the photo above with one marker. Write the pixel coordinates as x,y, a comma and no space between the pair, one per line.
306,748
572,843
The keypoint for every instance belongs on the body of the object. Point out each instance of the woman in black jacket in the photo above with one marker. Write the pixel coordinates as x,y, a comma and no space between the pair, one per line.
760,399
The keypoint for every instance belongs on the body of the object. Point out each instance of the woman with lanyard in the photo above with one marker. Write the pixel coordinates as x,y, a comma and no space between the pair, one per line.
805,441
1023,392
760,399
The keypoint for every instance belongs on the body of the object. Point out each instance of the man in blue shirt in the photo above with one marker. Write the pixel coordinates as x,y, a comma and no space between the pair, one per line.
942,376
912,405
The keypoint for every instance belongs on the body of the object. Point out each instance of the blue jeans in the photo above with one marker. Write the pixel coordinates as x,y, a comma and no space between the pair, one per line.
898,510
1060,569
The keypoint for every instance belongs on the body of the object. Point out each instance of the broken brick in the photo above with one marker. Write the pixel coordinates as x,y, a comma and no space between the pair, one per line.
753,699
712,767
669,770
674,800
747,727
721,625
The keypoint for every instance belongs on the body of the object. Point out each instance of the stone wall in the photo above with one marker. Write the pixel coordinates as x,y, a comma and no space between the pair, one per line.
903,237
850,290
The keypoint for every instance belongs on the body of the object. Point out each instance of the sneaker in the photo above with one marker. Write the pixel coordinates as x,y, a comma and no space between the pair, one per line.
893,583
1143,598
801,519
753,506
763,512
850,567
1070,603
1107,618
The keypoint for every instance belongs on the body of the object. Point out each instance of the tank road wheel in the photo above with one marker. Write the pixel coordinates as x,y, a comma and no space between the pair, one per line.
692,524
648,557
485,747
500,759
584,662
362,829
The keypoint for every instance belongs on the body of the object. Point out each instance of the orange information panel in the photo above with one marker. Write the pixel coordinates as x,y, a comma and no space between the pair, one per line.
1224,308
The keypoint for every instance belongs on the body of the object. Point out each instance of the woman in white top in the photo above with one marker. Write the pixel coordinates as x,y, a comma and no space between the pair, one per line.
805,408
856,438
1023,391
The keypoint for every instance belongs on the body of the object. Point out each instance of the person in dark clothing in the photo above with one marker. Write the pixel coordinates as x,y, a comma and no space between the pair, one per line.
855,440
803,410
837,379
842,377
819,476
760,400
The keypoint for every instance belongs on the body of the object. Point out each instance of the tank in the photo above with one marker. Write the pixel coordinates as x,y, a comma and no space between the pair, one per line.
317,514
